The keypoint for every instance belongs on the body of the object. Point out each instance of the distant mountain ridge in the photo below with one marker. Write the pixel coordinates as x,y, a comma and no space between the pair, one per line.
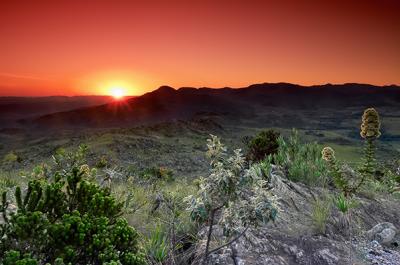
15,108
167,103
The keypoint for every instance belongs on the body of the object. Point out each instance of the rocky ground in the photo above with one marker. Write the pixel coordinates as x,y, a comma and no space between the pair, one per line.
292,239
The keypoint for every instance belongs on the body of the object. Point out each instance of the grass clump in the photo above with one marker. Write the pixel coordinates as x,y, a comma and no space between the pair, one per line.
320,214
156,246
156,207
7,183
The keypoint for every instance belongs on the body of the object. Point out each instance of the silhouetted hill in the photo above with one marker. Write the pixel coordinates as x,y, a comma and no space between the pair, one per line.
15,108
246,103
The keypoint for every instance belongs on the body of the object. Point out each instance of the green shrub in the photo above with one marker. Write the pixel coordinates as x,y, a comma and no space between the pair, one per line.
301,161
262,145
67,219
15,258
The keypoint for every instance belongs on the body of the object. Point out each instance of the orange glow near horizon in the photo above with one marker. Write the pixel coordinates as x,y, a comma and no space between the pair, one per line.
87,47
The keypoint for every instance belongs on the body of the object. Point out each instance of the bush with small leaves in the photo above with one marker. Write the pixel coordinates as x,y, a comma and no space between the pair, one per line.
232,196
67,219
15,258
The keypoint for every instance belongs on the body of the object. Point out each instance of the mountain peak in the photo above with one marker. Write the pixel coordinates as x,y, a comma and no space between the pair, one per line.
165,89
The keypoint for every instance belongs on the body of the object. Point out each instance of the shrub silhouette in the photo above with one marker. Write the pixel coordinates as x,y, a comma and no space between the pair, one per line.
67,220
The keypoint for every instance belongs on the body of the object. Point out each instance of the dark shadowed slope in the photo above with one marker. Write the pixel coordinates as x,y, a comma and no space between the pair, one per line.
13,109
167,103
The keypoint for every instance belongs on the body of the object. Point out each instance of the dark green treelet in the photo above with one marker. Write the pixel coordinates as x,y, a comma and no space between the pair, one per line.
67,220
262,145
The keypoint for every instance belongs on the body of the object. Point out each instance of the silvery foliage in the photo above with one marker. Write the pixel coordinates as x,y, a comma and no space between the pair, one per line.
241,194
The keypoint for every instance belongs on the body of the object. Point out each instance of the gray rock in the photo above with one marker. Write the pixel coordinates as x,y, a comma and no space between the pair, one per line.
327,257
383,233
377,255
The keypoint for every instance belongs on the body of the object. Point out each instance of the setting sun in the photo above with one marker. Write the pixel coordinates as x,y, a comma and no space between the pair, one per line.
117,92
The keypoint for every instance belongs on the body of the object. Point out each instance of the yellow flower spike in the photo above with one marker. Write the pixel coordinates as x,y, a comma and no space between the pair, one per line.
370,126
328,154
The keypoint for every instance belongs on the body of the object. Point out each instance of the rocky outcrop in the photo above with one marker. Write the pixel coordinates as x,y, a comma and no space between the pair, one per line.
292,240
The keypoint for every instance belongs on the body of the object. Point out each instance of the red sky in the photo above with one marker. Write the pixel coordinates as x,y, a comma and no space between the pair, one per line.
87,47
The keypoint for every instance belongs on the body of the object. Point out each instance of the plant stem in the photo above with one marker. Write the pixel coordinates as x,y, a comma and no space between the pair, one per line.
210,227
350,235
230,242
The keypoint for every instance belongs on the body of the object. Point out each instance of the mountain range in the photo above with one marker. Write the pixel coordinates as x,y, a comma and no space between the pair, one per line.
258,101
167,103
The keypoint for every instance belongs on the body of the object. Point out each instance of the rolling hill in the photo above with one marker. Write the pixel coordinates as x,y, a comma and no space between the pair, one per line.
281,103
13,109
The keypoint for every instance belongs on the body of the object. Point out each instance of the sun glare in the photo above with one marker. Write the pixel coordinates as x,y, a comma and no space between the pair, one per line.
117,93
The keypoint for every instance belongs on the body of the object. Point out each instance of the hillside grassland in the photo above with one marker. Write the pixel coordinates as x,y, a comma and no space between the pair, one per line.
179,145
310,182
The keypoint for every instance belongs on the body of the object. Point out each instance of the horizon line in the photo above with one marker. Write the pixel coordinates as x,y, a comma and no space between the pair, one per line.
200,87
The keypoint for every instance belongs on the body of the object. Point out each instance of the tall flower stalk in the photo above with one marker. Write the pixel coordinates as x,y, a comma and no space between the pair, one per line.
370,131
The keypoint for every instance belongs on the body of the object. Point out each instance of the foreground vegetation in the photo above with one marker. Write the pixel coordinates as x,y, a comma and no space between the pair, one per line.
69,212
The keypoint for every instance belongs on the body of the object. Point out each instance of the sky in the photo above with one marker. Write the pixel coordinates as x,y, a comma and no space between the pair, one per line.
90,47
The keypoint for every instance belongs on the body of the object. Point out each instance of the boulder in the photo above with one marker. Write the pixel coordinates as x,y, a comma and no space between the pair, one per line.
325,256
383,233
